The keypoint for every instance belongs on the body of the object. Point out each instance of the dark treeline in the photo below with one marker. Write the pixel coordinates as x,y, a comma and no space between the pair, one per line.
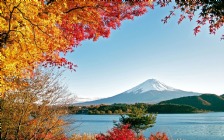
191,104
126,108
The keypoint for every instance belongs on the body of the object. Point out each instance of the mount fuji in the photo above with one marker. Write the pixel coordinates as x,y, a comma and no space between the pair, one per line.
151,91
149,85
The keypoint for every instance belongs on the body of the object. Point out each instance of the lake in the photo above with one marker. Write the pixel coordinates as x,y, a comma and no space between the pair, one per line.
202,126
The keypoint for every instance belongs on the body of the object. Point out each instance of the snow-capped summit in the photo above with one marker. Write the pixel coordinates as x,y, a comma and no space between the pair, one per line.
151,91
151,84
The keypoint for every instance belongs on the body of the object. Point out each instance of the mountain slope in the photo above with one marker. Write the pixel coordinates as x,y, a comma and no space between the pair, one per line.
210,102
150,91
222,95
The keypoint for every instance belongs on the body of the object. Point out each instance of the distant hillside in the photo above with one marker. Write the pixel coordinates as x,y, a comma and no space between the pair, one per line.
222,95
151,91
210,102
172,108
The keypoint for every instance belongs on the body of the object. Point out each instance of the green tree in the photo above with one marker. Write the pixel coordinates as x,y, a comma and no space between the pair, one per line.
138,119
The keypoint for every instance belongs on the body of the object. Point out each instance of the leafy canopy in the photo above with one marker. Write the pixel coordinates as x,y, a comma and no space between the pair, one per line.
210,12
34,32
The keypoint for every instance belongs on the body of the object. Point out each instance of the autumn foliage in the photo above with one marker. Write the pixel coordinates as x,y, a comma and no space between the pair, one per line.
42,32
32,111
119,133
158,136
124,132
208,12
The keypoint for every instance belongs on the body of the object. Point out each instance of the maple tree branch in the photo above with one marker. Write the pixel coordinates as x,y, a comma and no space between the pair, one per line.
34,37
35,25
24,40
18,32
82,7
4,36
38,26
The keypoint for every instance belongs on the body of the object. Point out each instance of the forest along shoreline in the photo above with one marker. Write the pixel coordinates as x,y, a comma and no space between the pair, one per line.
116,109
191,104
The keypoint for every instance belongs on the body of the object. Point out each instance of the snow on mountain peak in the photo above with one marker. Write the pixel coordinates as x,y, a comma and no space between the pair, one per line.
151,84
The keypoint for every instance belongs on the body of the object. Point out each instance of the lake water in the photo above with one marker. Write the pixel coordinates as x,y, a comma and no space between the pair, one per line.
203,126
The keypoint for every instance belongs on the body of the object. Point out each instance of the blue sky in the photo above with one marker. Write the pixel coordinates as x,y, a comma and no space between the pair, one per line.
146,48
